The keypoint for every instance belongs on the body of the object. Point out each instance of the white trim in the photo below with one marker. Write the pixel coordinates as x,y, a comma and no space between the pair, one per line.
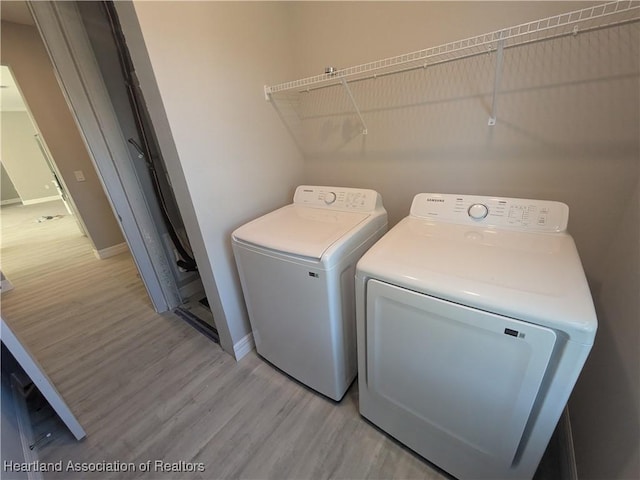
111,251
244,346
11,201
41,200
40,379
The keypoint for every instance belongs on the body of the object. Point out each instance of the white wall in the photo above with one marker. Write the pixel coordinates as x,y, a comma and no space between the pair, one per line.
210,61
567,129
24,52
8,190
22,159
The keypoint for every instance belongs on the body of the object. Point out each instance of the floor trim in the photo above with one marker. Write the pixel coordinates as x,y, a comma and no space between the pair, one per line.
244,346
40,200
111,251
11,201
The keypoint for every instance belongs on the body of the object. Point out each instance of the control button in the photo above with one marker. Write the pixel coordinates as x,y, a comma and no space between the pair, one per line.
329,198
478,211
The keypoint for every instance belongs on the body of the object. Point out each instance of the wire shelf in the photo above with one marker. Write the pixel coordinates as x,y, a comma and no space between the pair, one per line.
570,23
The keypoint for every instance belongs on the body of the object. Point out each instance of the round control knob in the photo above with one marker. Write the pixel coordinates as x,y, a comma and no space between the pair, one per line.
478,211
329,198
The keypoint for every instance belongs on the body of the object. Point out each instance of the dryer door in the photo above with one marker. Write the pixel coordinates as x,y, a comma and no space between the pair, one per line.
462,381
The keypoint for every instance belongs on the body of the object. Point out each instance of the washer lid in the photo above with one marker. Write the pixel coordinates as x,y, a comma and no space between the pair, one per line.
303,231
535,277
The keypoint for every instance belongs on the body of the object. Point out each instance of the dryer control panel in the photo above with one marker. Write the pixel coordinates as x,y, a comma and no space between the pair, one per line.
519,213
338,198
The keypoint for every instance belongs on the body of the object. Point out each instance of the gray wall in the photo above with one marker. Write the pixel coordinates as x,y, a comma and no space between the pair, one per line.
23,160
23,51
567,129
604,406
7,188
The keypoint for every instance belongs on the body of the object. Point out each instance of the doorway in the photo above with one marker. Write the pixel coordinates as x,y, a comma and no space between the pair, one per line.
22,160
153,254
29,175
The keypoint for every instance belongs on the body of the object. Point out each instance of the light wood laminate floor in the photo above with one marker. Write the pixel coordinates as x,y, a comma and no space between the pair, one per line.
149,387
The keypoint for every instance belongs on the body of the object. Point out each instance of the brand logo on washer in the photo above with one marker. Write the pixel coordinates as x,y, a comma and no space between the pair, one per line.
435,200
513,333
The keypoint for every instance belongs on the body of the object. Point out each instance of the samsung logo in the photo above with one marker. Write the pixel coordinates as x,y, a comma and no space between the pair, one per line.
435,200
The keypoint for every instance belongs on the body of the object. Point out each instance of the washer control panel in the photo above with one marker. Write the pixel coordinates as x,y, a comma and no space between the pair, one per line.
535,215
339,198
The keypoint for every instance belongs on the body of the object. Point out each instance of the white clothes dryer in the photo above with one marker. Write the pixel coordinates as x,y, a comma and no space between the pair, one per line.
474,320
297,270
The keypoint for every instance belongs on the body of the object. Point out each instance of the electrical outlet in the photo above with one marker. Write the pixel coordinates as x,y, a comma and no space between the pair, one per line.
79,175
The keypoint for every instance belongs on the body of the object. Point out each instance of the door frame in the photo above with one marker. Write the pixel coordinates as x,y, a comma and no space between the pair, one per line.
64,37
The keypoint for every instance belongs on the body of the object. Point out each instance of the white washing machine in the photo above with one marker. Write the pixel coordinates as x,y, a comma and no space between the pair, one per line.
297,270
474,319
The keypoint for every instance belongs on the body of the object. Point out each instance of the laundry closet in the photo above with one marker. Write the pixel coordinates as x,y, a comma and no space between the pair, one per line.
547,113
563,113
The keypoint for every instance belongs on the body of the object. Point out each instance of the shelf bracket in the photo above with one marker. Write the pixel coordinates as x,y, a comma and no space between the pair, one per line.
496,81
355,105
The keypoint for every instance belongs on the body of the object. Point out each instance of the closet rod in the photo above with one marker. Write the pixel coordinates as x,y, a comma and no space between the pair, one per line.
469,55
512,36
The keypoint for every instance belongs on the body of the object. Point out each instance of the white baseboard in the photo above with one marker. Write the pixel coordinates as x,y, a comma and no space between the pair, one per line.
244,346
41,200
10,201
111,251
568,469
